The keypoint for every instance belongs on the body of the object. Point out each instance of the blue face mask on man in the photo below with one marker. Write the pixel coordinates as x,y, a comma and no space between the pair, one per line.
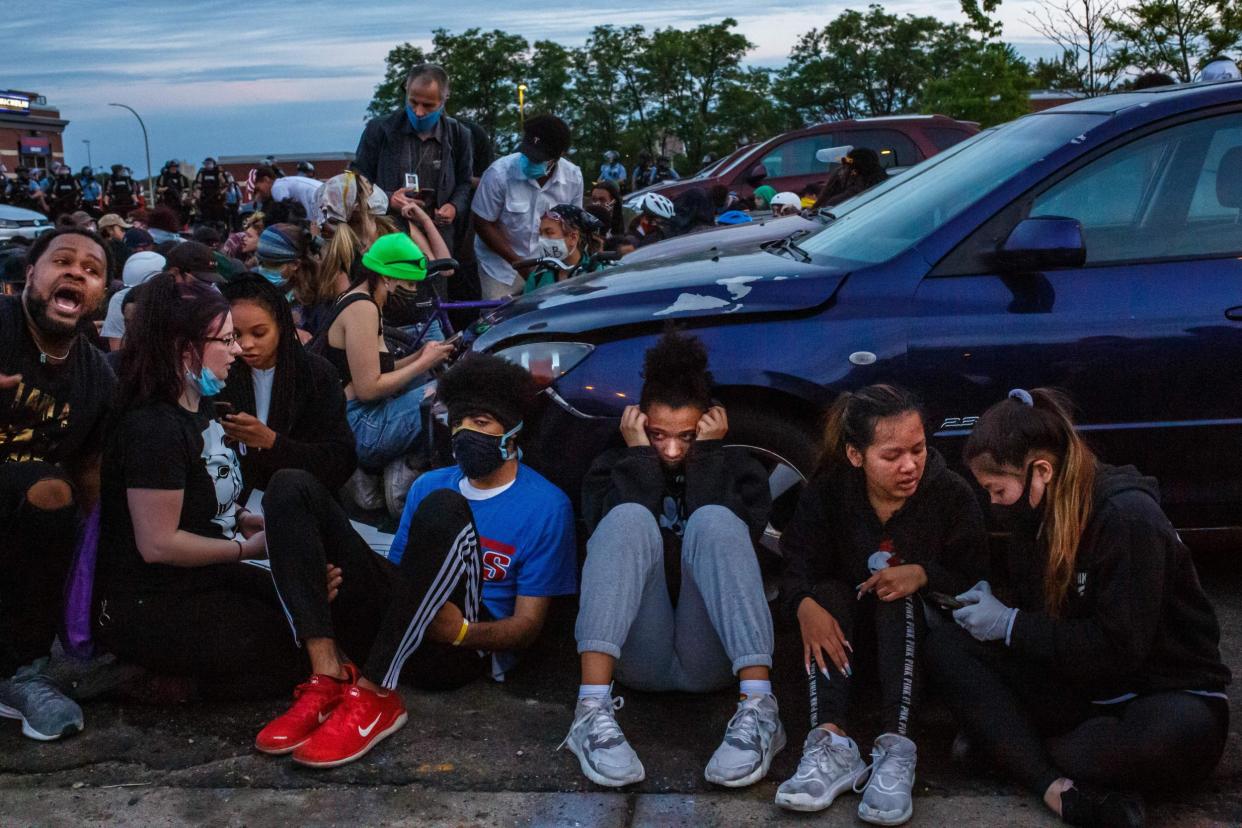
425,123
532,170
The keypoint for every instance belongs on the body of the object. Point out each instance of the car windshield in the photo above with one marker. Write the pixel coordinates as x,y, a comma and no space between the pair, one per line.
871,227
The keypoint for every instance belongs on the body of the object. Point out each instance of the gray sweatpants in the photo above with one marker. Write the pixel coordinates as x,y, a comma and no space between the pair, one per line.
721,623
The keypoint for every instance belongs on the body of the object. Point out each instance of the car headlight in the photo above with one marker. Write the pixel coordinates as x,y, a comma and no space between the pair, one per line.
547,361
8,224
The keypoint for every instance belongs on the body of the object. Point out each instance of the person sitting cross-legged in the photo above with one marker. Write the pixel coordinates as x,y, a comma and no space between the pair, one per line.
674,515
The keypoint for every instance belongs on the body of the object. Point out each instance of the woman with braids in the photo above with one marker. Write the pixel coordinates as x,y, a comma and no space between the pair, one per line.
672,598
288,406
1100,670
880,528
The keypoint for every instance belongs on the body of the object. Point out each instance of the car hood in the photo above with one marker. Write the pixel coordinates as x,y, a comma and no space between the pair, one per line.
723,284
7,211
725,239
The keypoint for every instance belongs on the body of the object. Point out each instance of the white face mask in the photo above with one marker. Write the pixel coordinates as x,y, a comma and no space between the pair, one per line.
553,248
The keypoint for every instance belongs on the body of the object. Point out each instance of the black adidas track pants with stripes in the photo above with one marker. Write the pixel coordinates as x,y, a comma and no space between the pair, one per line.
382,613
887,637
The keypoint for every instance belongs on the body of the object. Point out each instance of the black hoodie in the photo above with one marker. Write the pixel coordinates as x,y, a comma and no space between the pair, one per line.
1136,619
835,530
713,474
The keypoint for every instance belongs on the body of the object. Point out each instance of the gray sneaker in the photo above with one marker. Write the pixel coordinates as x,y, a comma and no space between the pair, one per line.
887,799
753,737
596,739
825,772
35,700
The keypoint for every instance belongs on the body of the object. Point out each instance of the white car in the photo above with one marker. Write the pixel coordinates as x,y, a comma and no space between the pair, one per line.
18,221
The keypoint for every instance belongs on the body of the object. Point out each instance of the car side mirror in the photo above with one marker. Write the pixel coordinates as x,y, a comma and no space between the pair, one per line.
1043,243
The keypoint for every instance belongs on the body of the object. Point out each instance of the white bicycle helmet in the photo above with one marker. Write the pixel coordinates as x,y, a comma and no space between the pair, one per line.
656,205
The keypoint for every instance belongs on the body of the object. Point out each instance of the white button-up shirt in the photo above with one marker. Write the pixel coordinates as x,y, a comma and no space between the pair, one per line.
518,202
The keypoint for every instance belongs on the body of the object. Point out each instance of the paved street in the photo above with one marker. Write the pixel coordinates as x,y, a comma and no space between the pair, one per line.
487,756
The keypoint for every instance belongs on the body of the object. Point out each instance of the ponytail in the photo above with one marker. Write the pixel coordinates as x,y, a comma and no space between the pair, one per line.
852,419
1006,437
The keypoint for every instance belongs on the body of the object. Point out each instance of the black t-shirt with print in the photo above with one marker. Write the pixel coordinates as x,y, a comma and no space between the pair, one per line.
163,446
56,413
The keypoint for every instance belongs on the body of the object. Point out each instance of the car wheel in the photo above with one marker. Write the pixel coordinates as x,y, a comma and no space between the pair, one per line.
788,450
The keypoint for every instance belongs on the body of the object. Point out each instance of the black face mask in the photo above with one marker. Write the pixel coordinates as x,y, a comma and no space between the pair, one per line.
1020,517
479,454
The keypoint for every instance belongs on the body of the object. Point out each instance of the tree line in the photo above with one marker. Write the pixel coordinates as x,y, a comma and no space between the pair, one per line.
630,90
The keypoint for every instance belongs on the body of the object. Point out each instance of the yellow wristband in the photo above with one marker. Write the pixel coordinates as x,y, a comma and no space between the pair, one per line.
461,636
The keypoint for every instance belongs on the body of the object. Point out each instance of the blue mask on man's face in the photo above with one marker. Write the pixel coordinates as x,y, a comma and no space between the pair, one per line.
532,170
425,123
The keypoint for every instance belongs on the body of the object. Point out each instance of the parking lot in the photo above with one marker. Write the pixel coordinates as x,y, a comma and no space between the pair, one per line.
486,756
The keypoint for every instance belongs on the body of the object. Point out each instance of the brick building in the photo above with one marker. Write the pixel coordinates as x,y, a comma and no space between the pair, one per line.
30,131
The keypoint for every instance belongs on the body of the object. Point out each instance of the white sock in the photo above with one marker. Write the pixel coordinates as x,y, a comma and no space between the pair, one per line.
838,739
755,687
593,691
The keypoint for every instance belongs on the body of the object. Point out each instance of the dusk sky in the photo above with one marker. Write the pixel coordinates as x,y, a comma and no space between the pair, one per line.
229,78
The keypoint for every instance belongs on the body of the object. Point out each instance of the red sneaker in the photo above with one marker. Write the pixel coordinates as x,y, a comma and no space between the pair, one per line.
313,702
362,720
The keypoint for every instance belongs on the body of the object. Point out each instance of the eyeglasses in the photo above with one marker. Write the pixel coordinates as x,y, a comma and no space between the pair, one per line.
228,341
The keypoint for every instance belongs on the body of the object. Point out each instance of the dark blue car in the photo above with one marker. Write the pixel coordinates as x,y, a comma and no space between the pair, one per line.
1096,247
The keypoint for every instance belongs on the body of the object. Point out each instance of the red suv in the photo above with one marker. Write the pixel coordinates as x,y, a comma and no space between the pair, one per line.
789,158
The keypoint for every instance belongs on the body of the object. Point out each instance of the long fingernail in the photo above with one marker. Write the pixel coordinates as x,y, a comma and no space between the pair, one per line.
849,647
848,672
824,673
808,668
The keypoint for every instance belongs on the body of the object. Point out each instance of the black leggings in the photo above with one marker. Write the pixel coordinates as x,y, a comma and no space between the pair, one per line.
236,639
36,549
1038,729
381,614
895,629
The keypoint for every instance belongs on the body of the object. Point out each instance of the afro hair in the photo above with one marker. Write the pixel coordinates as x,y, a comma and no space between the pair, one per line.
675,373
490,384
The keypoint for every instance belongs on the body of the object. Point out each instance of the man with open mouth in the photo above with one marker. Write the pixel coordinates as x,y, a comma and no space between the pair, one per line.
54,392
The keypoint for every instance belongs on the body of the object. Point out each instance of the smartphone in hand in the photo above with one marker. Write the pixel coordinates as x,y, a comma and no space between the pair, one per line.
945,601
223,409
411,182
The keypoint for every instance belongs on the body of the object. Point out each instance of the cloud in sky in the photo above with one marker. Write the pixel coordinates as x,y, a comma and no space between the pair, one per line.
220,78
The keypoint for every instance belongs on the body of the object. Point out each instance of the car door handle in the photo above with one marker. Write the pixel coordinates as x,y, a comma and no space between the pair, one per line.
1234,313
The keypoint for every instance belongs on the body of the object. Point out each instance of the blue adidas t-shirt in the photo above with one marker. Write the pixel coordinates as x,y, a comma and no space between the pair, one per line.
526,536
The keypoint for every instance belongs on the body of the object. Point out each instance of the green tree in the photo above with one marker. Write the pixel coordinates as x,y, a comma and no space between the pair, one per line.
390,92
1174,36
484,69
868,64
990,86
549,78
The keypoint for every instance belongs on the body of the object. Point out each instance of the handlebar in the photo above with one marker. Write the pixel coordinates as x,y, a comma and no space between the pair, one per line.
435,266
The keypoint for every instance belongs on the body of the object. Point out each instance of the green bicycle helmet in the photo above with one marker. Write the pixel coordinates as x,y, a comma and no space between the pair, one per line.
397,257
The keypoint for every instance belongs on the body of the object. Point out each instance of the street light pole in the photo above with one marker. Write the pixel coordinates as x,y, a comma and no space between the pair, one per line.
89,162
521,106
146,145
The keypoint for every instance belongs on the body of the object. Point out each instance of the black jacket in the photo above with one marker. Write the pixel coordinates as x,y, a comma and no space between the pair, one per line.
381,157
311,430
1136,619
712,475
835,530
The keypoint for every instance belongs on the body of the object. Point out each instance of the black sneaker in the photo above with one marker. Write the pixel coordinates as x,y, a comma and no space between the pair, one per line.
1099,808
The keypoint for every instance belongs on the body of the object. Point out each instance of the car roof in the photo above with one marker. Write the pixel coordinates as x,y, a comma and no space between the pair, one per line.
1181,96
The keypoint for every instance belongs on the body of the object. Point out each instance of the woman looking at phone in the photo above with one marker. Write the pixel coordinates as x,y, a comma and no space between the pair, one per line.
1100,671
288,409
173,592
879,526
384,394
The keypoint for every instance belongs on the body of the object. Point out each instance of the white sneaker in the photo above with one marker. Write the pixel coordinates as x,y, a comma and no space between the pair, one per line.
754,735
399,476
888,798
596,739
826,771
